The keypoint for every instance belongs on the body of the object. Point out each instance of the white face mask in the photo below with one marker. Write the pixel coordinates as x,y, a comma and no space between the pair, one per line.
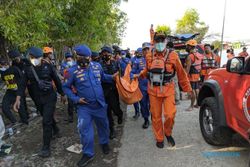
3,68
70,63
36,62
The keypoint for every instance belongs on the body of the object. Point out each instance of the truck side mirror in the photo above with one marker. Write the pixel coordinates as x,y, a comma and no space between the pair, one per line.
236,65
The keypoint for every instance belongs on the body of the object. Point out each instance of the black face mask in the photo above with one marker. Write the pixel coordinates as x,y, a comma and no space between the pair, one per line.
188,50
17,62
106,58
83,62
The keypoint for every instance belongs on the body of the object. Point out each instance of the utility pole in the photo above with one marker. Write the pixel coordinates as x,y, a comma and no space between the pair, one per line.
223,26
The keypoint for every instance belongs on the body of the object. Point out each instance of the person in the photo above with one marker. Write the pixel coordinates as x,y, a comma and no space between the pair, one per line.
243,53
48,54
40,75
138,65
229,54
161,68
137,104
210,62
68,63
122,64
13,77
193,68
4,148
95,57
110,91
87,77
117,52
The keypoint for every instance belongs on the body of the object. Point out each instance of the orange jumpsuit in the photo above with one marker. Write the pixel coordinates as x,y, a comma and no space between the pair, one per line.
164,101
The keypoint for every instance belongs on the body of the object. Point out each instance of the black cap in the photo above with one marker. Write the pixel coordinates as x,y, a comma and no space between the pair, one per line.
13,54
159,36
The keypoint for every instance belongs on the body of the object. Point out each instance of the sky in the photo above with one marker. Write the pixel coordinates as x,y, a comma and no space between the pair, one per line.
142,13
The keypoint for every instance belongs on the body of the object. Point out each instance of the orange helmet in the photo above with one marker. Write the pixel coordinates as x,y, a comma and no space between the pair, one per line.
191,42
47,50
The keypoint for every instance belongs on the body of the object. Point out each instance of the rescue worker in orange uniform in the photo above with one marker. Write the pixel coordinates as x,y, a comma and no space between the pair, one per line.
243,53
161,66
193,69
210,61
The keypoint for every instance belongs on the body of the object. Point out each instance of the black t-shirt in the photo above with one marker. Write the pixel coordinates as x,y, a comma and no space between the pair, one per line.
12,78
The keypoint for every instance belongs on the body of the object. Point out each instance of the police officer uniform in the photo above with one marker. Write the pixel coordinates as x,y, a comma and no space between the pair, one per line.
87,78
95,57
64,66
110,91
13,77
139,64
40,76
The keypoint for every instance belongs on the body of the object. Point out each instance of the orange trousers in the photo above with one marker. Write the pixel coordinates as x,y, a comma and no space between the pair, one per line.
167,106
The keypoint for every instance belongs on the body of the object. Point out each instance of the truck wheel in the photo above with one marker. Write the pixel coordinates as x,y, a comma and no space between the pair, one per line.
209,124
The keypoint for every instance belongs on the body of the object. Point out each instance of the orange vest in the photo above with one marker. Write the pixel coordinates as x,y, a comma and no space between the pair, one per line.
171,64
210,62
194,73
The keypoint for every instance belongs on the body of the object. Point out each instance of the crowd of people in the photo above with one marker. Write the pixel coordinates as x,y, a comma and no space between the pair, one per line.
86,80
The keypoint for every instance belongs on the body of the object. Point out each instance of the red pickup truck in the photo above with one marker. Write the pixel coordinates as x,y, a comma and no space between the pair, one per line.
224,101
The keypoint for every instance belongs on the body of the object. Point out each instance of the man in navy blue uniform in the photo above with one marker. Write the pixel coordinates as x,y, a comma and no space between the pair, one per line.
87,78
68,63
95,57
139,64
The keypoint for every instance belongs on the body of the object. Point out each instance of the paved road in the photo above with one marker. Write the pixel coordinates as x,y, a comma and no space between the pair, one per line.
139,150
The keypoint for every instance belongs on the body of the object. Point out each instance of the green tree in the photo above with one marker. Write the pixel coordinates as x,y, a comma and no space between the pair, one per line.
217,44
163,28
190,23
61,22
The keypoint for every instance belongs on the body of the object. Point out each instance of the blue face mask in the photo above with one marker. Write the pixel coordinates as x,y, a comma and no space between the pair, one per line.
160,46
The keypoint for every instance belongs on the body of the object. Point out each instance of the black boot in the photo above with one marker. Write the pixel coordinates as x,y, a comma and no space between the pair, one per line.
112,134
105,148
171,141
44,152
84,160
56,133
160,144
146,124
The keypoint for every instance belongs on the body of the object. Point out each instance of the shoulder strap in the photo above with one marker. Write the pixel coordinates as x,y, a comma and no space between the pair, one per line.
167,55
35,74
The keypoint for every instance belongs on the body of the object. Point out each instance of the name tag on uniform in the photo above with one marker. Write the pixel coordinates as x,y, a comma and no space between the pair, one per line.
81,75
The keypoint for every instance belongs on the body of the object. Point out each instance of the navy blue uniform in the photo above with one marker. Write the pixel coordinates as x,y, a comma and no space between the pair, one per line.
139,64
88,86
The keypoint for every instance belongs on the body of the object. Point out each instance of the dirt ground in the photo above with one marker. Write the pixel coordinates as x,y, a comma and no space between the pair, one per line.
27,143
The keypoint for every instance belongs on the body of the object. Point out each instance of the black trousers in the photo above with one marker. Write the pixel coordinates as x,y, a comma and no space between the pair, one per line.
46,104
71,108
112,99
8,100
33,95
